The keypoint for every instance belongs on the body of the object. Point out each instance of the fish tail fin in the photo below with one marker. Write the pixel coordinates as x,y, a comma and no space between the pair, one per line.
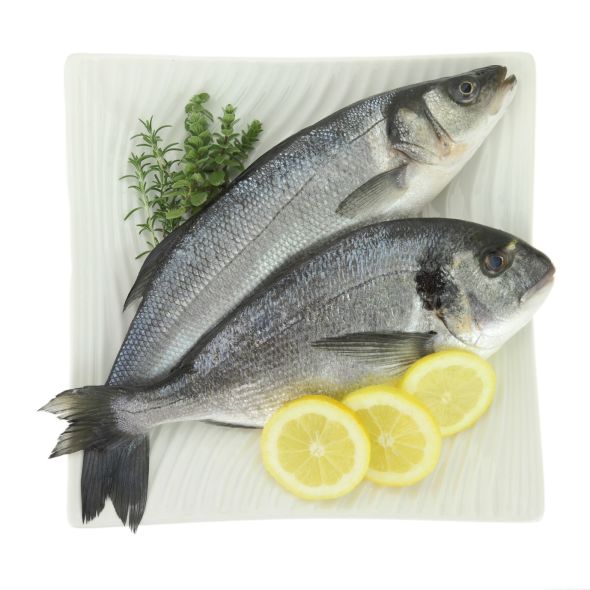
116,462
129,482
96,481
92,420
121,473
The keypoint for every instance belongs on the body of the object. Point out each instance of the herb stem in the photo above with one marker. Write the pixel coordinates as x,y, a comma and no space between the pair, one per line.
172,190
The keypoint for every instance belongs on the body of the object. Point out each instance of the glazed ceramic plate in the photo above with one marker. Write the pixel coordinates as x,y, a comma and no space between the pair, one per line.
206,472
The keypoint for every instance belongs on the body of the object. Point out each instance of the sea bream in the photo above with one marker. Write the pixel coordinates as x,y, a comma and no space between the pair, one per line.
383,157
356,313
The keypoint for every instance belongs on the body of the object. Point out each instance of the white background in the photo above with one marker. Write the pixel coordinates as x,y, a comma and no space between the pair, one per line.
39,547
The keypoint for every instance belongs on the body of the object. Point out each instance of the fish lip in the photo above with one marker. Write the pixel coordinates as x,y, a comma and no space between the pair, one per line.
502,71
545,281
509,83
498,74
505,83
504,87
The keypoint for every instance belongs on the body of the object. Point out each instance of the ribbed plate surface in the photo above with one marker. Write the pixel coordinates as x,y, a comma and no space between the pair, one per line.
204,472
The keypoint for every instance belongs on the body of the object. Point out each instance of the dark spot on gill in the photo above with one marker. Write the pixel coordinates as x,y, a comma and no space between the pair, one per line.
431,285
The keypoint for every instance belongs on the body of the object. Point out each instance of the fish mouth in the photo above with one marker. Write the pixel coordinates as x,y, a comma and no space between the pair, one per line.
497,75
505,83
503,88
501,72
509,83
541,285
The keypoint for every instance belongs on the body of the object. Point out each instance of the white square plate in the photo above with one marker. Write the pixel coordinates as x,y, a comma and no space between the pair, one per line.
203,472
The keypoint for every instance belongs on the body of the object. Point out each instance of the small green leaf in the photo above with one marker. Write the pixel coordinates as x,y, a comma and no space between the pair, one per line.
214,150
234,164
175,213
195,141
171,195
183,183
198,199
205,163
217,178
131,213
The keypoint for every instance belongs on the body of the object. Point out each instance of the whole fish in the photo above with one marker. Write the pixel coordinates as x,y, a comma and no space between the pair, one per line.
380,158
354,314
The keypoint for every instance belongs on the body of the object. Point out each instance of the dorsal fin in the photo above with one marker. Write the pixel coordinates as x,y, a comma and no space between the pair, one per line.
154,260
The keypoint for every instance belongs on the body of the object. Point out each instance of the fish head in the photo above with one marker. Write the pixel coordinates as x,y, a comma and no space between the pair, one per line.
466,107
491,287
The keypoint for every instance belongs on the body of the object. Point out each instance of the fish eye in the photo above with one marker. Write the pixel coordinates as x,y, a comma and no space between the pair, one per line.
495,262
466,88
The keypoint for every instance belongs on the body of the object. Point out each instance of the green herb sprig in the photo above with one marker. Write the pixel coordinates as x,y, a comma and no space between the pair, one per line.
172,190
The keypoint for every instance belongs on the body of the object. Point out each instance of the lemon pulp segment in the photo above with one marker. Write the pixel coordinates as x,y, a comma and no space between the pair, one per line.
457,386
316,448
405,439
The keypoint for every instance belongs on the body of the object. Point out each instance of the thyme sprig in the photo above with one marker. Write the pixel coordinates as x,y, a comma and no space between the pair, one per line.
172,190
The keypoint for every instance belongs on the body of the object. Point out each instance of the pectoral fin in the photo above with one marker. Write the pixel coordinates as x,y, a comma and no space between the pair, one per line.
390,351
376,194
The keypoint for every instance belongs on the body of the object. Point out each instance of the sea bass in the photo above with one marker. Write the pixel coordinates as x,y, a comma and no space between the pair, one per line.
356,313
380,158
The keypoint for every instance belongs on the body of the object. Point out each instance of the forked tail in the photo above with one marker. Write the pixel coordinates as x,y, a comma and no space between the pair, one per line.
116,462
121,473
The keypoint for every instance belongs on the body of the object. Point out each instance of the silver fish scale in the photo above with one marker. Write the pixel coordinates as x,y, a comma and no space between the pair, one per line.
281,207
262,356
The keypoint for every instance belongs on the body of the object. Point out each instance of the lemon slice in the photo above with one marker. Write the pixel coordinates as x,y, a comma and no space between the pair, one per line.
456,385
405,439
316,448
